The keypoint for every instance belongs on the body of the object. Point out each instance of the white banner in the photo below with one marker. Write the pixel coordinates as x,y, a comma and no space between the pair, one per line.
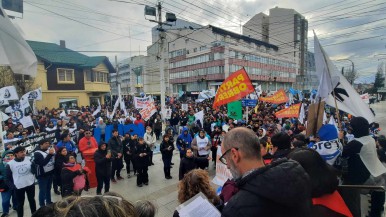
34,94
26,121
147,112
200,116
168,113
4,102
222,172
98,109
8,93
184,107
141,103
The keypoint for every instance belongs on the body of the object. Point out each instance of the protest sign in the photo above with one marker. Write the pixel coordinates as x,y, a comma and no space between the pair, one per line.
290,112
235,110
277,98
222,172
141,103
148,111
235,87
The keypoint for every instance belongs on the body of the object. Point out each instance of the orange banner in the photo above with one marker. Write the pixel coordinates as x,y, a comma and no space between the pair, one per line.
277,98
290,112
235,87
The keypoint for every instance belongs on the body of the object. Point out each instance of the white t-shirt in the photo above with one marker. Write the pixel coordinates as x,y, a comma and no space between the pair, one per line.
21,173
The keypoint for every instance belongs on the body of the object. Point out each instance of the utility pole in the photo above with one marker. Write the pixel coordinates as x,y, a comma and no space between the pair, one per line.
170,17
118,81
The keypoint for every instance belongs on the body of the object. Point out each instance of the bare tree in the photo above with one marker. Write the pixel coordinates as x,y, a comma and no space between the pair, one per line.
351,75
23,83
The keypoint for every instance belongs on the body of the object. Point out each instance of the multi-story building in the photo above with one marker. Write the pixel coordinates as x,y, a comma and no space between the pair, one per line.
69,78
285,28
201,59
131,72
309,80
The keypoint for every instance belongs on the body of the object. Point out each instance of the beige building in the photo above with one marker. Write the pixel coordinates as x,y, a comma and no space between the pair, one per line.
68,78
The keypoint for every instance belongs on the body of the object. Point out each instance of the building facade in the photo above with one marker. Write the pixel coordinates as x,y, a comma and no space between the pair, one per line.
68,78
202,59
285,28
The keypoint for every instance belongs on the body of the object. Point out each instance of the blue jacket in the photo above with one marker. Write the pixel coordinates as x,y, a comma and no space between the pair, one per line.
69,146
184,140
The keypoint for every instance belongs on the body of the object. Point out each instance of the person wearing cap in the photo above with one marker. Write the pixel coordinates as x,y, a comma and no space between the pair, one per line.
102,158
6,193
201,145
44,159
364,167
20,178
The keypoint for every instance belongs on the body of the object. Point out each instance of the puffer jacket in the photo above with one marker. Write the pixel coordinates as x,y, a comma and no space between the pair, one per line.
280,189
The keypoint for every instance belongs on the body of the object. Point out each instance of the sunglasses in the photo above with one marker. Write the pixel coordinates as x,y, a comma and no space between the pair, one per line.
223,159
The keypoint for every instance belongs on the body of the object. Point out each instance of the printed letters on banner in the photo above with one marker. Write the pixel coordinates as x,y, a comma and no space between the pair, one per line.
147,112
277,98
222,172
290,112
141,103
235,87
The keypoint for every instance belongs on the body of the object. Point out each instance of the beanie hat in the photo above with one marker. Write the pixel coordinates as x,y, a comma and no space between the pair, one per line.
360,127
328,132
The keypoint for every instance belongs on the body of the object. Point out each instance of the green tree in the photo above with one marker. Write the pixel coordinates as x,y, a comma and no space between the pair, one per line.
379,79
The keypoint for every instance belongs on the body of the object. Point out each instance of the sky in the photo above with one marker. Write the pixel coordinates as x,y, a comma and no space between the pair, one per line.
347,29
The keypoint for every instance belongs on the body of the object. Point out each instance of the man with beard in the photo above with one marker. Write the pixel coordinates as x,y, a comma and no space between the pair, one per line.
280,189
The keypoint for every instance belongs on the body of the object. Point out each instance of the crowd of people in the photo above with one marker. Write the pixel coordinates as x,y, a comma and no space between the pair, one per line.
276,169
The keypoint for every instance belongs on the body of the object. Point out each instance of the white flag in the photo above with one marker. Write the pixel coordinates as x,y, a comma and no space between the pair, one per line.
34,94
123,106
326,71
9,92
302,114
4,117
206,94
99,108
62,114
200,116
111,116
258,90
4,102
26,121
15,51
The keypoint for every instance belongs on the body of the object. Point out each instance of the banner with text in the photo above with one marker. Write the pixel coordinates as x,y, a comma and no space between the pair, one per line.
222,172
277,98
141,103
235,87
148,111
290,112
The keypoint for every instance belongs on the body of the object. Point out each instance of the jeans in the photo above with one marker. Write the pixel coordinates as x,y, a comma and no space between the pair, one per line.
45,184
117,165
6,200
20,195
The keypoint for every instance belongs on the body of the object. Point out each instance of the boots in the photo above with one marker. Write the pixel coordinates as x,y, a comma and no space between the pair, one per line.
168,174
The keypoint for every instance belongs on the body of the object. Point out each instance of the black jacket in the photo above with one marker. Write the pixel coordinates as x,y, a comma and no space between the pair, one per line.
164,148
141,162
67,181
357,172
188,164
115,146
41,161
102,164
280,189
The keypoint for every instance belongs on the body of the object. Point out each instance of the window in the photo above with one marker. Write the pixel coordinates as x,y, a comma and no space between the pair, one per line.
88,75
100,77
65,75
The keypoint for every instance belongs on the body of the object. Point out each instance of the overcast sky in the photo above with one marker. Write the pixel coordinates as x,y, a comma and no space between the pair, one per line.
347,29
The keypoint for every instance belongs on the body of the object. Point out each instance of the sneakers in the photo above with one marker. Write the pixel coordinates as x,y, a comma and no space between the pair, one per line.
114,181
120,177
140,185
5,215
168,177
128,176
146,183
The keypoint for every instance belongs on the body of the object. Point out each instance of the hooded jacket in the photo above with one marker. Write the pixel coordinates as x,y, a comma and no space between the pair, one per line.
45,161
184,141
280,189
102,164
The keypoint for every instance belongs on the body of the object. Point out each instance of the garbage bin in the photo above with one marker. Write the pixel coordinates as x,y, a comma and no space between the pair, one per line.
88,156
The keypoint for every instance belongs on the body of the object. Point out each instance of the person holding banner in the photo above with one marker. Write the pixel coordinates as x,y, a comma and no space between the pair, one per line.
201,145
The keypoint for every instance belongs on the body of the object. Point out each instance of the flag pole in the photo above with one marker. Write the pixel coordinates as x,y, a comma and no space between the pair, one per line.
317,118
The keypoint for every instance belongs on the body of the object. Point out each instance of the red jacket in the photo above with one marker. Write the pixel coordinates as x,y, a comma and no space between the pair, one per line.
85,144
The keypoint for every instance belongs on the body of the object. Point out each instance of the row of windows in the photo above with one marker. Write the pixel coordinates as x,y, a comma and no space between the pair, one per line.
177,53
198,59
258,71
92,76
260,59
205,71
